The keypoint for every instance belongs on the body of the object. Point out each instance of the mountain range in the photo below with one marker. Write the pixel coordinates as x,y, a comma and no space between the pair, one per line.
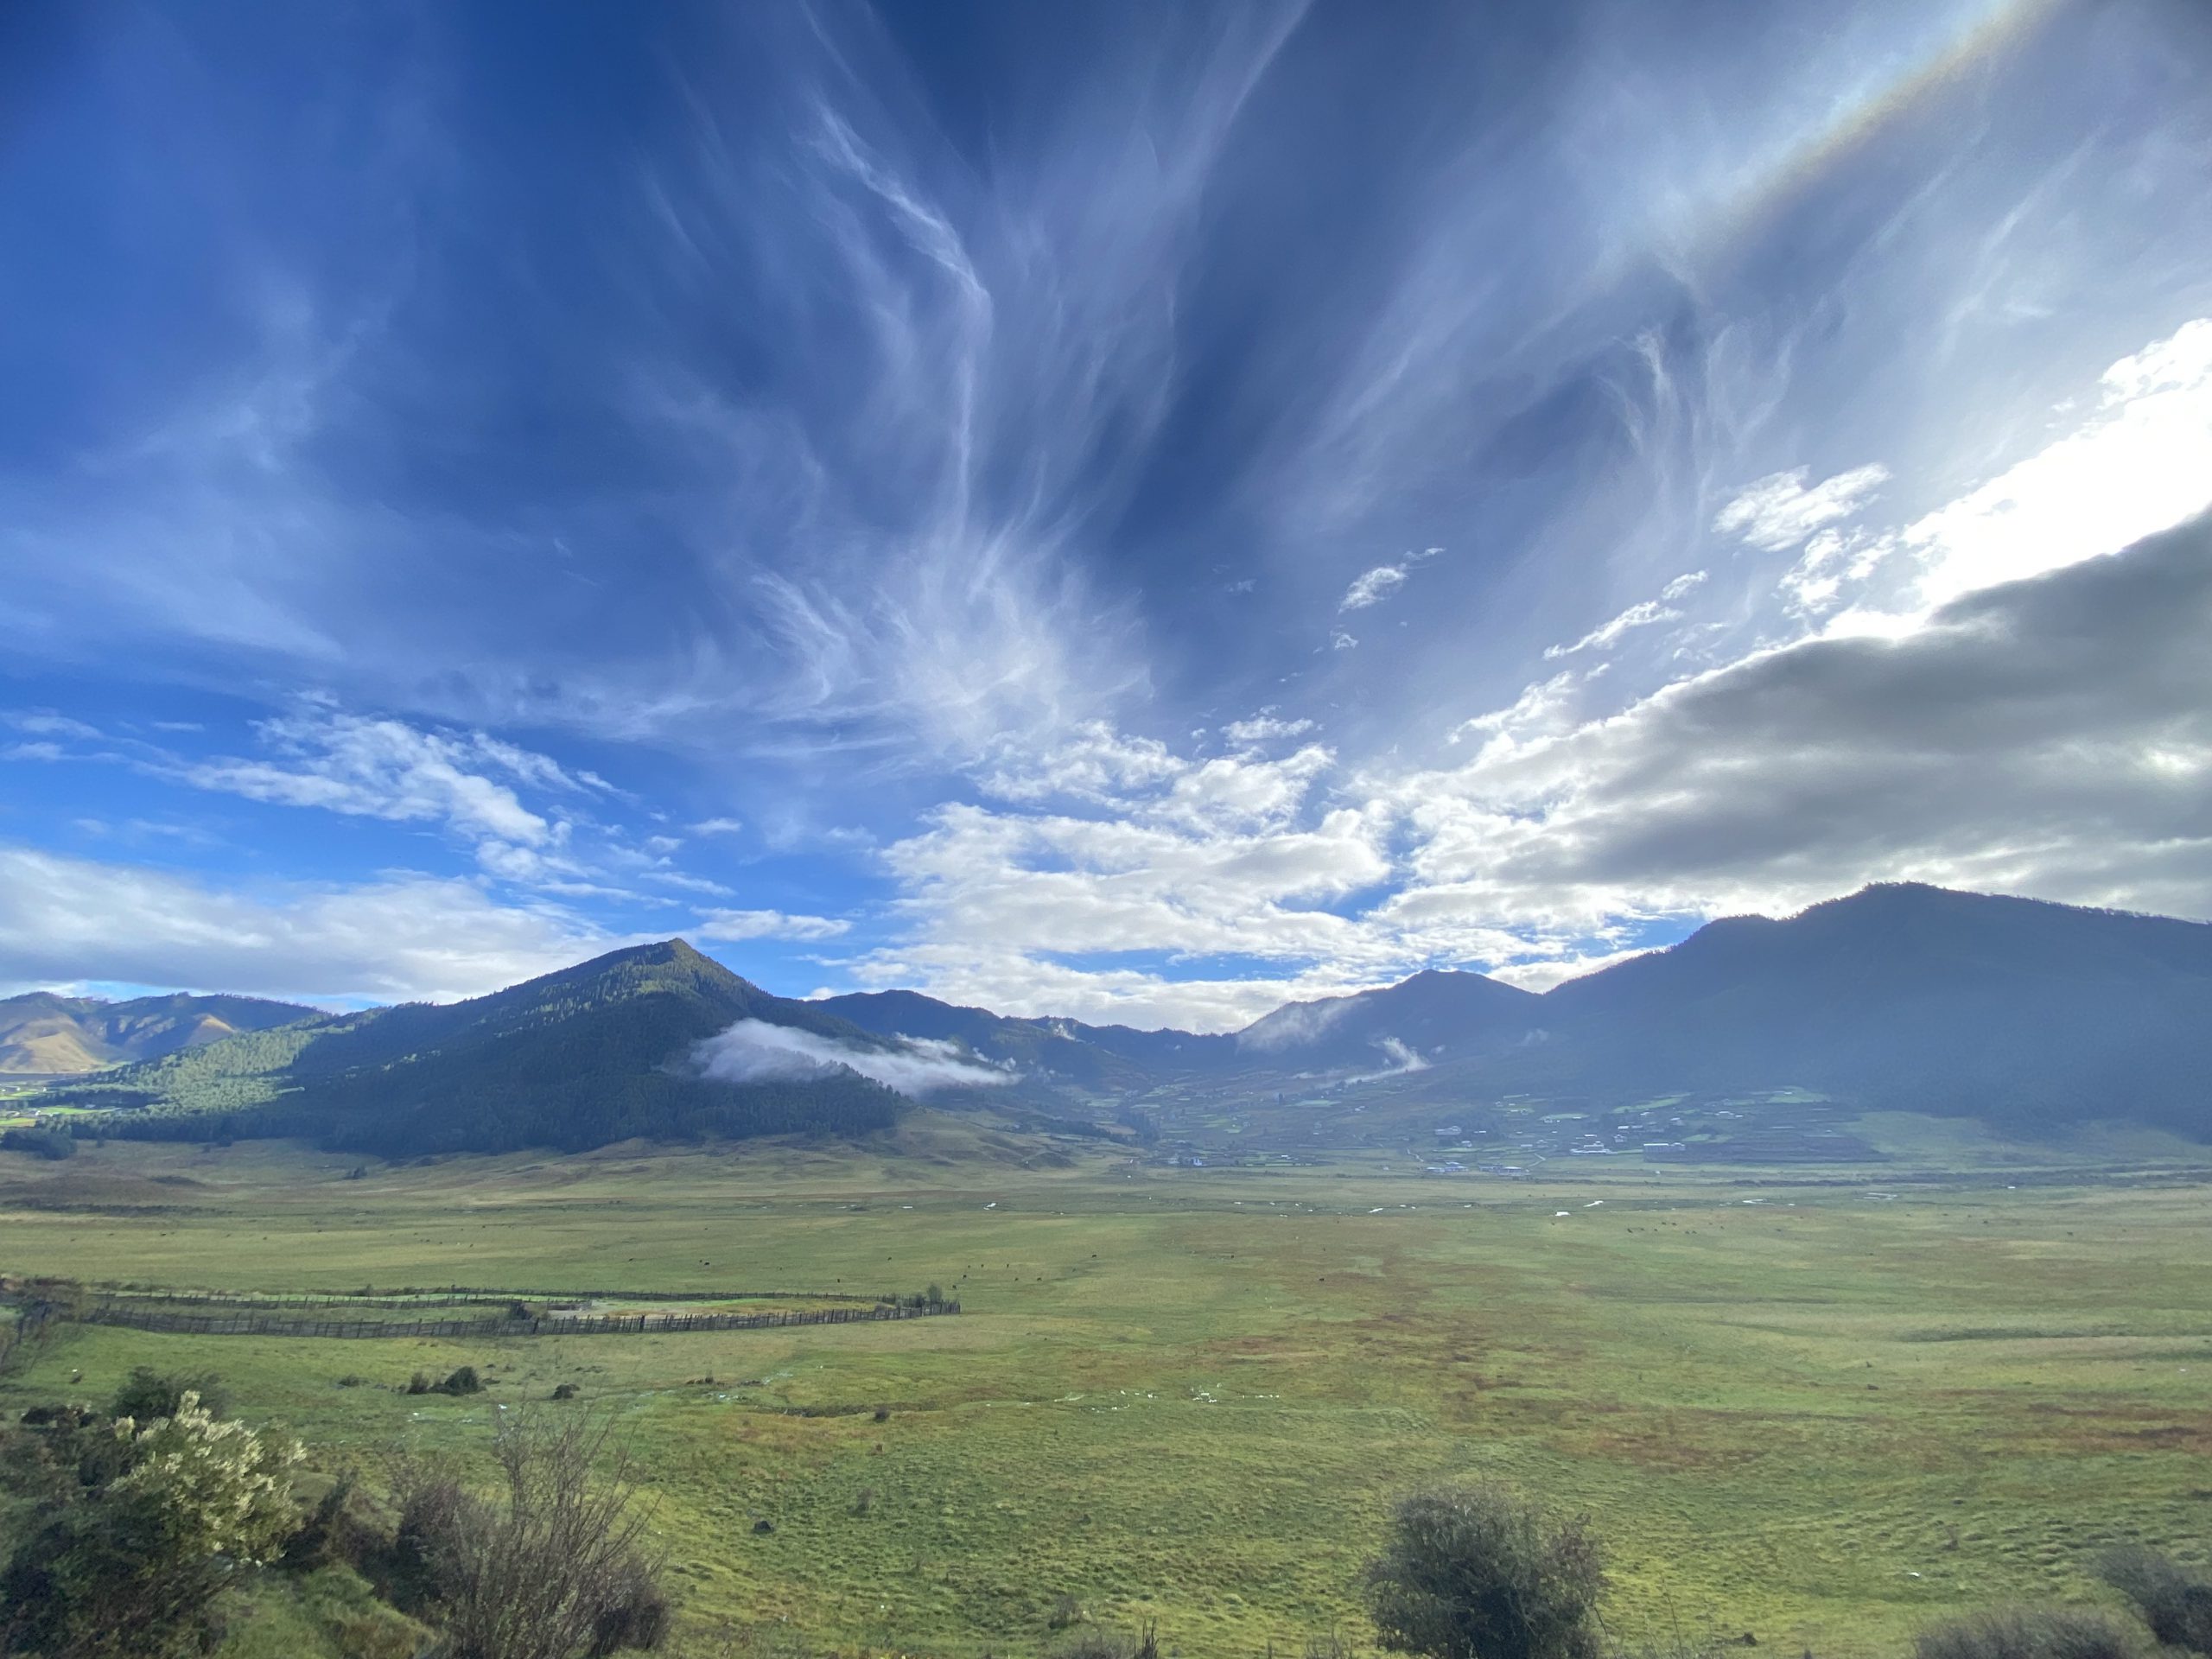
47,1035
1901,997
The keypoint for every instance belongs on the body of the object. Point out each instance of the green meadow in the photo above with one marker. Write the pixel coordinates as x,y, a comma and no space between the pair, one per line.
1818,1411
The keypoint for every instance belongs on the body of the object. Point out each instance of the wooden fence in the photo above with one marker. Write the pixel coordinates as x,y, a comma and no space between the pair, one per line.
244,1324
459,1296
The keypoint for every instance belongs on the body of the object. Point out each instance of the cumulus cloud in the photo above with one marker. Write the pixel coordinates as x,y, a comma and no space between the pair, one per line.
2142,461
2052,736
398,938
1264,727
754,1051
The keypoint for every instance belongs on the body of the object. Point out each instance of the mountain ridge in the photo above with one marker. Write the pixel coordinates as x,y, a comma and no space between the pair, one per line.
45,1034
1900,996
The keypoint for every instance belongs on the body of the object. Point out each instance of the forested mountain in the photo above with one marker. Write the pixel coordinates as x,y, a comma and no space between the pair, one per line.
577,1058
43,1034
1914,998
1902,997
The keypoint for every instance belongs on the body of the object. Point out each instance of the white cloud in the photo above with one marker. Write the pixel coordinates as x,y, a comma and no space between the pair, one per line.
1779,512
399,937
1642,614
1373,587
1095,763
731,926
388,769
717,826
1264,727
44,723
753,1051
2141,462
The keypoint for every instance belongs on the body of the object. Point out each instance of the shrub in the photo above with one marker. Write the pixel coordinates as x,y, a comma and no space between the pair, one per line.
463,1379
147,1394
419,1383
552,1567
2175,1602
40,1142
1067,1610
130,1567
2029,1633
1480,1573
565,1391
1095,1643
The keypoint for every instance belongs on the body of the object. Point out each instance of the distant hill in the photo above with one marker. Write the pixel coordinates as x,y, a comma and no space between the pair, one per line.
46,1035
1901,997
1912,998
575,1059
1433,1016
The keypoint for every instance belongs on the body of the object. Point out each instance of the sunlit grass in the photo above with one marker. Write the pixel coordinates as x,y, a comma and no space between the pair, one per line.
1190,1395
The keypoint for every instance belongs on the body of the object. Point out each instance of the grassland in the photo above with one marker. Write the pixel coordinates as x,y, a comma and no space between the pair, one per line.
1795,1408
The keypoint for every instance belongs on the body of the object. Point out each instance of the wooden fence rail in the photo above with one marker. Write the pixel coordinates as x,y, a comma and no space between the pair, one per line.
607,1325
459,1296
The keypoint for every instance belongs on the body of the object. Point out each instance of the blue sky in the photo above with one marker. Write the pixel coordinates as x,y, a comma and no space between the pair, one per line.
1135,512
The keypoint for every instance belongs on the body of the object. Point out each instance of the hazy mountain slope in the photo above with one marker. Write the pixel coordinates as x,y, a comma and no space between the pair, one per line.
46,1034
1091,1056
593,1053
1910,997
1434,1016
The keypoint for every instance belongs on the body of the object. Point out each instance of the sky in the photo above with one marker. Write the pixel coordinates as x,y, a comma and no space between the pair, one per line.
1137,511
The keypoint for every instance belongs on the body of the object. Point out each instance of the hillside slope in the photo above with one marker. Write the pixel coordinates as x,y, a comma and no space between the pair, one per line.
1912,998
574,1059
1048,1050
43,1034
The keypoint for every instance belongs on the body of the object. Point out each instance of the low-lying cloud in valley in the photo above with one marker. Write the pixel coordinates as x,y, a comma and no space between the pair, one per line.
753,1051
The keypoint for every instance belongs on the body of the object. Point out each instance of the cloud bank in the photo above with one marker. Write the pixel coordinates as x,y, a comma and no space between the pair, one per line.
754,1051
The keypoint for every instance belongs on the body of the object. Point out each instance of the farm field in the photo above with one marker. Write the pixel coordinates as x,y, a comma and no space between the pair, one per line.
1815,1407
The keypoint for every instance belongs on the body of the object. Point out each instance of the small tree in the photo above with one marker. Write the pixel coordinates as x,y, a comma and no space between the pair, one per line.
553,1567
129,1567
1480,1573
147,1394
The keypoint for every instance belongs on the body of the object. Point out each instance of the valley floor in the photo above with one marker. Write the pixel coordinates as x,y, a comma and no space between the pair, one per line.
1819,1412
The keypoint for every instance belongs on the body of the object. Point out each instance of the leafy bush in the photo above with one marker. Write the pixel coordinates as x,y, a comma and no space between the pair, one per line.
1480,1573
40,1142
463,1379
2175,1602
2029,1633
134,1549
227,1488
147,1394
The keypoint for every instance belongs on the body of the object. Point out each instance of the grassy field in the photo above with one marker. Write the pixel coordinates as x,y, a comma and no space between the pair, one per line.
1796,1409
